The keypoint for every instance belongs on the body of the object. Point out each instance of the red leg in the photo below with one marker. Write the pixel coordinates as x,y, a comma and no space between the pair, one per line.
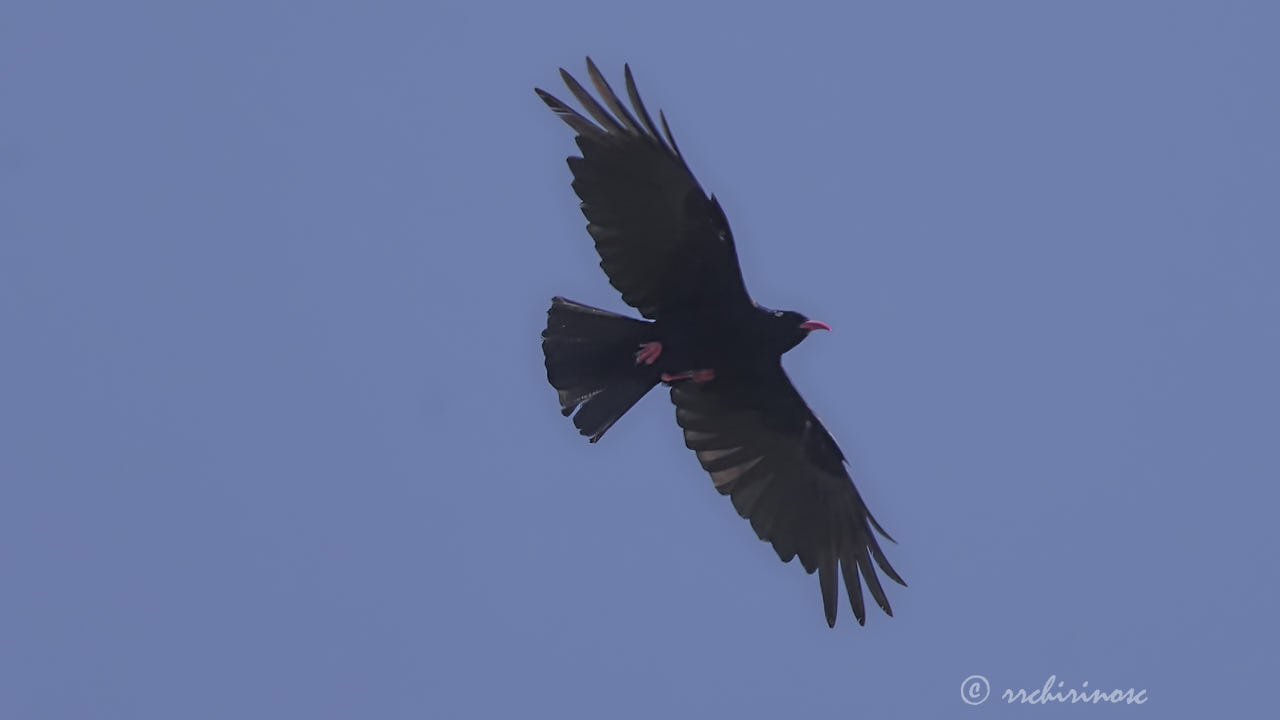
698,376
648,353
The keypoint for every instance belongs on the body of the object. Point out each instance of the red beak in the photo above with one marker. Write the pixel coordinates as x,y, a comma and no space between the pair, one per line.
814,325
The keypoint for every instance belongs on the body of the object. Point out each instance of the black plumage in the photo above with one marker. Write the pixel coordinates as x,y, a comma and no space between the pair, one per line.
666,246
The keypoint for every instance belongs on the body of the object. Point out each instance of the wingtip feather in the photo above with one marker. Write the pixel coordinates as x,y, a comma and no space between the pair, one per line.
670,138
602,116
610,99
830,598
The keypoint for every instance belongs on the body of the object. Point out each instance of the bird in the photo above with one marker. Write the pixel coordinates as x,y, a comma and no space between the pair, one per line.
665,245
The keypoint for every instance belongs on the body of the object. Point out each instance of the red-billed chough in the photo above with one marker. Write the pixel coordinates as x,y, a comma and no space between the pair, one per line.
666,246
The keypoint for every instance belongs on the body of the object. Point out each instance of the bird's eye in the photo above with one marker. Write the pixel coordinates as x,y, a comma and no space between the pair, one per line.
777,313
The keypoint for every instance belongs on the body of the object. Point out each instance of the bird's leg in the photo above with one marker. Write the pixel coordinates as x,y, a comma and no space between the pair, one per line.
649,352
698,376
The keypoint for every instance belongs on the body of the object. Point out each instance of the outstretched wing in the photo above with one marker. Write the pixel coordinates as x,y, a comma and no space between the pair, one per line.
766,449
663,243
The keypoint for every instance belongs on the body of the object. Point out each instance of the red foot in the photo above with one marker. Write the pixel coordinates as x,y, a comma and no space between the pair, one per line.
698,376
649,353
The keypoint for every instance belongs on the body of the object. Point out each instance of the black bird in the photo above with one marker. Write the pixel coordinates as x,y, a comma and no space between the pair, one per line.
666,246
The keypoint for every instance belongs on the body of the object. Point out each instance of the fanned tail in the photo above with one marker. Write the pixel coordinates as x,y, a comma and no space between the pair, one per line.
590,357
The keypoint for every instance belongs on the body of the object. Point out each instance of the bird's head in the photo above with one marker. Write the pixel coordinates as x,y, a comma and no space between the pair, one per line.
790,327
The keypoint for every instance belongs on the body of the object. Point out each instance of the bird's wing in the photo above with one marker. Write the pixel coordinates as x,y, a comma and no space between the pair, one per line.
663,243
766,449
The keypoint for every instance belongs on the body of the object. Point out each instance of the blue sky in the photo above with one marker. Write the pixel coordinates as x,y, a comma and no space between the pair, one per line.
276,439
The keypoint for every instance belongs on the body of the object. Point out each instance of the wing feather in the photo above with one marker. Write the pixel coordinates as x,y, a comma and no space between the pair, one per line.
663,242
611,99
783,471
638,104
601,115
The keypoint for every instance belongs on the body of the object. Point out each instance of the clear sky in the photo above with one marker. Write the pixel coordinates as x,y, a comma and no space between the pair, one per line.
276,439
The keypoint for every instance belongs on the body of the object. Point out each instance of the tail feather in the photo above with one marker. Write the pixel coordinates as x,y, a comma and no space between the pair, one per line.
590,357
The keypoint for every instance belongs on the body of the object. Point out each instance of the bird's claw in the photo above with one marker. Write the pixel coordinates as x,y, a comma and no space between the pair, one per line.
648,353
